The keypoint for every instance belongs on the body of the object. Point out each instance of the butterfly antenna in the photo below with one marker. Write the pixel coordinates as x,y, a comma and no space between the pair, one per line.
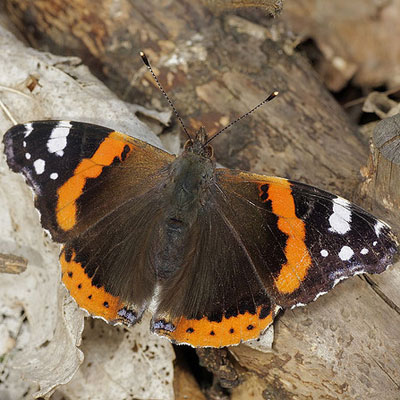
269,98
147,64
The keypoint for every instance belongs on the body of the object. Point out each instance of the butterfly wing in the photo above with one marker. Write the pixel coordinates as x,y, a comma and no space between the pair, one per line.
265,243
78,171
85,178
304,240
110,265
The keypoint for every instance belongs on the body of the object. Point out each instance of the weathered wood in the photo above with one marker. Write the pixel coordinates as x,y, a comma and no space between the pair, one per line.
343,346
381,182
385,164
215,69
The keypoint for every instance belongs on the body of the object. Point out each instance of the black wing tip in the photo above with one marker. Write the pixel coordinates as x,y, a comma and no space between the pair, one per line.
9,148
14,130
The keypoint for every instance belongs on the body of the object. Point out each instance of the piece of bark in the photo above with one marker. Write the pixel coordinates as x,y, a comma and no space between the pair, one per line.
271,7
215,69
11,264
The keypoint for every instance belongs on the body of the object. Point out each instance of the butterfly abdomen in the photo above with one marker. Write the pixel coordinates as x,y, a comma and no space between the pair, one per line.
186,192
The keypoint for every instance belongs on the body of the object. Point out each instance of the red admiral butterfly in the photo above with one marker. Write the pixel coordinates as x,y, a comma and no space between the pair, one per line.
217,251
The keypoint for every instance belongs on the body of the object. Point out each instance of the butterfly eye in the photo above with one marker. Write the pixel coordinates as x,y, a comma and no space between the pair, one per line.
208,151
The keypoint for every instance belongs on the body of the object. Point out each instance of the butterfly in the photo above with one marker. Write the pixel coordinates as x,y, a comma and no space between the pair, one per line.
214,252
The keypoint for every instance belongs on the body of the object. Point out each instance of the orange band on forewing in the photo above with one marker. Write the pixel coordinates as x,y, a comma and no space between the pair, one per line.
89,297
112,146
296,252
230,331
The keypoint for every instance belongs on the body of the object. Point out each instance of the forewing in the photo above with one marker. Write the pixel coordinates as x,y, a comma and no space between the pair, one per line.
303,240
80,172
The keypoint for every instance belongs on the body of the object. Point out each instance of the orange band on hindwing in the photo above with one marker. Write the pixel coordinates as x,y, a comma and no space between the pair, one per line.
93,299
229,331
113,146
298,258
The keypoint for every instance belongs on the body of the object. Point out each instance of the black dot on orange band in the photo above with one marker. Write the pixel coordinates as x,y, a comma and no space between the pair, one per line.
80,286
264,192
250,327
212,333
189,330
231,330
90,297
70,274
105,304
125,152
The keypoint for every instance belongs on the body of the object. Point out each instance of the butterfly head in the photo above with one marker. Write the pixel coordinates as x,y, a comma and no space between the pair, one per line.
198,145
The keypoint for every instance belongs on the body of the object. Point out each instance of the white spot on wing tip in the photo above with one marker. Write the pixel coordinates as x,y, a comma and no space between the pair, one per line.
364,251
346,253
28,156
378,227
58,138
324,253
39,165
54,175
341,217
28,129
